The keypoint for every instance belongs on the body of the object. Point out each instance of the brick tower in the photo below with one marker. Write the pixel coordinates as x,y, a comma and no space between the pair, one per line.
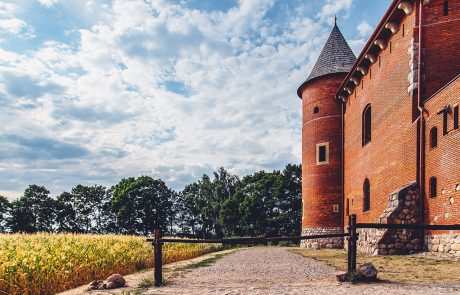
322,142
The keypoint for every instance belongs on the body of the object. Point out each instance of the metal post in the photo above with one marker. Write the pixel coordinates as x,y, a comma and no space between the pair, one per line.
353,240
158,259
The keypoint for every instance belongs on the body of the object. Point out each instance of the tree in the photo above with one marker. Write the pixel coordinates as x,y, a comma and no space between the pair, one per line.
201,204
66,220
189,215
290,219
83,209
265,204
4,209
32,212
142,204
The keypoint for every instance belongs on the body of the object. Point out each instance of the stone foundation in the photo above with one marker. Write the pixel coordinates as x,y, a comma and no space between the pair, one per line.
329,243
403,208
443,243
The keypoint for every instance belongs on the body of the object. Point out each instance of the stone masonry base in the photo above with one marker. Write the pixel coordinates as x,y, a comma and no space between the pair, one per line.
329,243
443,243
403,208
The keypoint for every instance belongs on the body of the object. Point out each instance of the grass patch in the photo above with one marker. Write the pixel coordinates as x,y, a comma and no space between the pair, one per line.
394,268
203,263
146,283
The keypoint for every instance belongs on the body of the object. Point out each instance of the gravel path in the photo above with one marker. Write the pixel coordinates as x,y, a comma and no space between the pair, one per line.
273,270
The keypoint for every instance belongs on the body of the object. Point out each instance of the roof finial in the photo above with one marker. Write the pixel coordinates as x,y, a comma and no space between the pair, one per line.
335,20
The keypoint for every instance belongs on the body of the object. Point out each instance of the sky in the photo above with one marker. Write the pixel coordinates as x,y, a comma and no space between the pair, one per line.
93,91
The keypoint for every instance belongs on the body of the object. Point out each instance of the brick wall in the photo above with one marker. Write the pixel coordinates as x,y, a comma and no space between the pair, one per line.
441,43
321,184
443,161
389,161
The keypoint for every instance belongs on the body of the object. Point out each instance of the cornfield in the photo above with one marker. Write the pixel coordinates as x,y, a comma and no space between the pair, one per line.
50,263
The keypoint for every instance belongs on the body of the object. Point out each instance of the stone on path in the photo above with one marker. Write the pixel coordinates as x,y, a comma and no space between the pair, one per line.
367,271
114,281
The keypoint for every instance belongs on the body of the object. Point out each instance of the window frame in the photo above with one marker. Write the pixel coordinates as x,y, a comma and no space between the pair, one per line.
318,146
445,123
366,196
433,182
455,113
366,128
433,137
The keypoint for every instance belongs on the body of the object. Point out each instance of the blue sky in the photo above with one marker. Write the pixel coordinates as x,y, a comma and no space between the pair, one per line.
93,91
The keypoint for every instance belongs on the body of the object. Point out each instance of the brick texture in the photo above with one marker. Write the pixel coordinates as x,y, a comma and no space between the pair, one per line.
389,160
442,40
443,161
321,184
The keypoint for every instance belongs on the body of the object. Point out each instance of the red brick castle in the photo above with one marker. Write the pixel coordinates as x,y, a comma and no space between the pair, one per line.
381,137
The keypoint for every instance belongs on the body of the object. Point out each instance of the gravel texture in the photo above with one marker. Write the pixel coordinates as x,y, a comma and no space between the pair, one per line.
272,270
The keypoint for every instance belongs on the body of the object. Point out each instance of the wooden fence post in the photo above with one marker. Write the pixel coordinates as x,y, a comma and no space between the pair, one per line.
158,259
349,245
352,241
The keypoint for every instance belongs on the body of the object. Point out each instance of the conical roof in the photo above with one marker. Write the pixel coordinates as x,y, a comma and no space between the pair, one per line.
336,56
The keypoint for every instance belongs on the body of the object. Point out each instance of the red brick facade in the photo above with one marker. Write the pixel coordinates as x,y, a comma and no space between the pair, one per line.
389,84
443,161
389,160
321,184
442,42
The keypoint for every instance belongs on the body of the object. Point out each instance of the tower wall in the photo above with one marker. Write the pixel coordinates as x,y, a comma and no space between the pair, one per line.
321,183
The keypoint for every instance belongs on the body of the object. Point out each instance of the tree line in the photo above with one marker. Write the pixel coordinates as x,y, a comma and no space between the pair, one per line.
224,205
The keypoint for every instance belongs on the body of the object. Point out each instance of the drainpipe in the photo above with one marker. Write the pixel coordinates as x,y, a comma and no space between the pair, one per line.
421,139
343,166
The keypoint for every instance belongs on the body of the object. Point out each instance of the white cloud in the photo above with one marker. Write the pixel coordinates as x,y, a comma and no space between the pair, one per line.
161,89
357,45
48,3
332,8
12,25
364,29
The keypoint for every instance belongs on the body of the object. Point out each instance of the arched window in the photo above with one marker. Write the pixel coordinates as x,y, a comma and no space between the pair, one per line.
366,195
315,110
433,187
434,137
367,126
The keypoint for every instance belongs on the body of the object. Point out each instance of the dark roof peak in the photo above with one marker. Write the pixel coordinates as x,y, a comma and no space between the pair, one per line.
336,56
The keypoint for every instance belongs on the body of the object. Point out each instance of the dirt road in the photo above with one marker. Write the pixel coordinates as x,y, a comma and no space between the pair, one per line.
263,270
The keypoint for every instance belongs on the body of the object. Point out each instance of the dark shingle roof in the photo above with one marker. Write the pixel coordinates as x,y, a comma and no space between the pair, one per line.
336,56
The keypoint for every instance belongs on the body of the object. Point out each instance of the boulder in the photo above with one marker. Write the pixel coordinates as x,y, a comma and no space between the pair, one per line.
96,285
112,282
115,281
367,271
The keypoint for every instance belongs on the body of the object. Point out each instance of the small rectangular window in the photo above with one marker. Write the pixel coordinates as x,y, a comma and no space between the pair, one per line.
444,122
433,187
380,61
446,7
335,208
322,153
403,29
390,46
456,117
